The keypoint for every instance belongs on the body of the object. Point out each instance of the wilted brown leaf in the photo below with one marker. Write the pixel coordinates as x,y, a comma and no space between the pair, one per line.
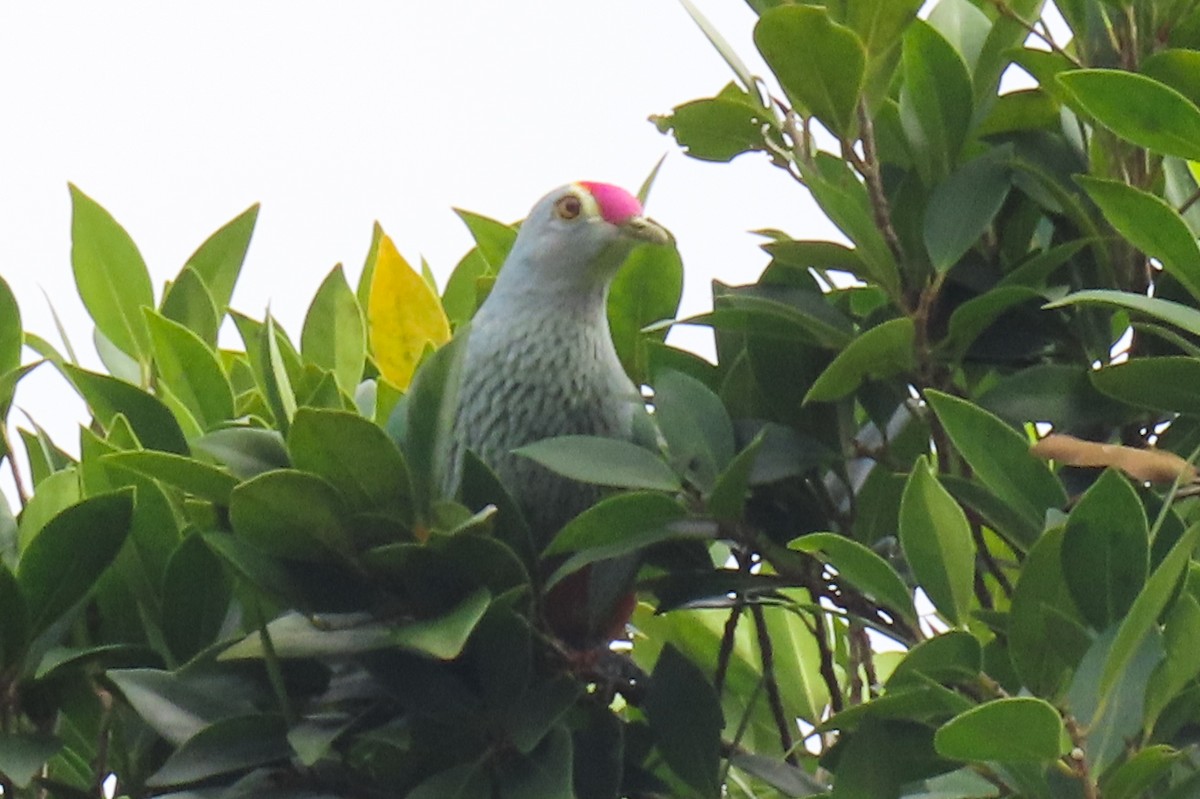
1143,465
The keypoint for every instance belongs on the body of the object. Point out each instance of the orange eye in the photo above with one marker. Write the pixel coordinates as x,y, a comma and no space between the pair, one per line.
568,207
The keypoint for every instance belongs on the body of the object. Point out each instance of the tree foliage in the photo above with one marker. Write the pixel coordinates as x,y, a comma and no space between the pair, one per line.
857,576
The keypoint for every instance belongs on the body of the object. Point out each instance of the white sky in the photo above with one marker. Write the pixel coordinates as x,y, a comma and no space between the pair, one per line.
176,117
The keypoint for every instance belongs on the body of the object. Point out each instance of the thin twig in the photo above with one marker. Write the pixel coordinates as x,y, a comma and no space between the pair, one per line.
869,167
1004,10
1077,759
1189,202
727,638
828,674
767,652
6,446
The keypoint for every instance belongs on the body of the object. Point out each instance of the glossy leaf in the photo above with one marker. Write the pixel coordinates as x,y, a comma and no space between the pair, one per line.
602,461
291,514
686,718
227,746
196,478
196,595
110,275
935,101
334,335
1172,313
190,368
880,352
1151,225
646,290
24,755
218,261
999,456
246,451
963,206
819,63
1106,550
862,568
188,301
1010,730
63,563
1139,109
404,316
696,426
1161,383
937,543
152,421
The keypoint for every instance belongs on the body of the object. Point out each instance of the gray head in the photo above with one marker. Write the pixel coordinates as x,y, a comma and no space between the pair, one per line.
574,240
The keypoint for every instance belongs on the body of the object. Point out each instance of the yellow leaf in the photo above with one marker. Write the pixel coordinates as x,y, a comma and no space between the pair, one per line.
404,316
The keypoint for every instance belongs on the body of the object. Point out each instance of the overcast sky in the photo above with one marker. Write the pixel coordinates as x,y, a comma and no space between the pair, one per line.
176,117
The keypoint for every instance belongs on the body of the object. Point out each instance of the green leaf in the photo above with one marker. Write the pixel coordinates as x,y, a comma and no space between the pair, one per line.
291,514
225,747
646,290
276,380
1166,383
727,499
462,294
188,302
1178,68
862,568
1174,313
191,370
602,461
695,425
1151,225
717,128
11,336
615,526
24,755
880,352
935,101
150,419
685,717
427,416
196,591
975,316
356,456
14,633
819,63
1140,772
1106,550
177,705
1138,109
218,261
110,275
937,543
295,635
196,478
246,451
334,335
721,46
1010,730
464,781
999,456
493,238
1149,604
963,206
63,563
952,658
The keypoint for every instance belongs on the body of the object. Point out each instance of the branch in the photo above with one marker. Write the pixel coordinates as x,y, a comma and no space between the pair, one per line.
784,725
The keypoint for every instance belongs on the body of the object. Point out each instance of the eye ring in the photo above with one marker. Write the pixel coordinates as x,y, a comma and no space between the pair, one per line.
568,207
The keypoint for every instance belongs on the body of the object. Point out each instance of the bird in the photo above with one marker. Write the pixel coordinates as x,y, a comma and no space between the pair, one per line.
539,363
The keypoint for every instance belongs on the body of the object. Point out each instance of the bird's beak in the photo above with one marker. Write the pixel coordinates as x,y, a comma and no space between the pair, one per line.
643,228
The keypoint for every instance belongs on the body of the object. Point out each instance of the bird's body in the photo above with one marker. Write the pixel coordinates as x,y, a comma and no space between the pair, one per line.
540,361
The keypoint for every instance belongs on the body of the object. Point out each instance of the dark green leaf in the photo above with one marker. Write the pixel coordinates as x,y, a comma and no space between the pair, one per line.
334,335
880,352
695,425
428,414
999,456
1106,550
355,455
14,633
1151,225
1059,394
1004,730
1139,109
191,370
727,500
196,478
150,419
819,63
1140,772
464,781
963,206
247,451
63,563
218,261
24,755
603,461
291,514
1166,383
862,568
227,746
1173,313
110,275
685,717
195,597
937,543
178,706
952,658
935,101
